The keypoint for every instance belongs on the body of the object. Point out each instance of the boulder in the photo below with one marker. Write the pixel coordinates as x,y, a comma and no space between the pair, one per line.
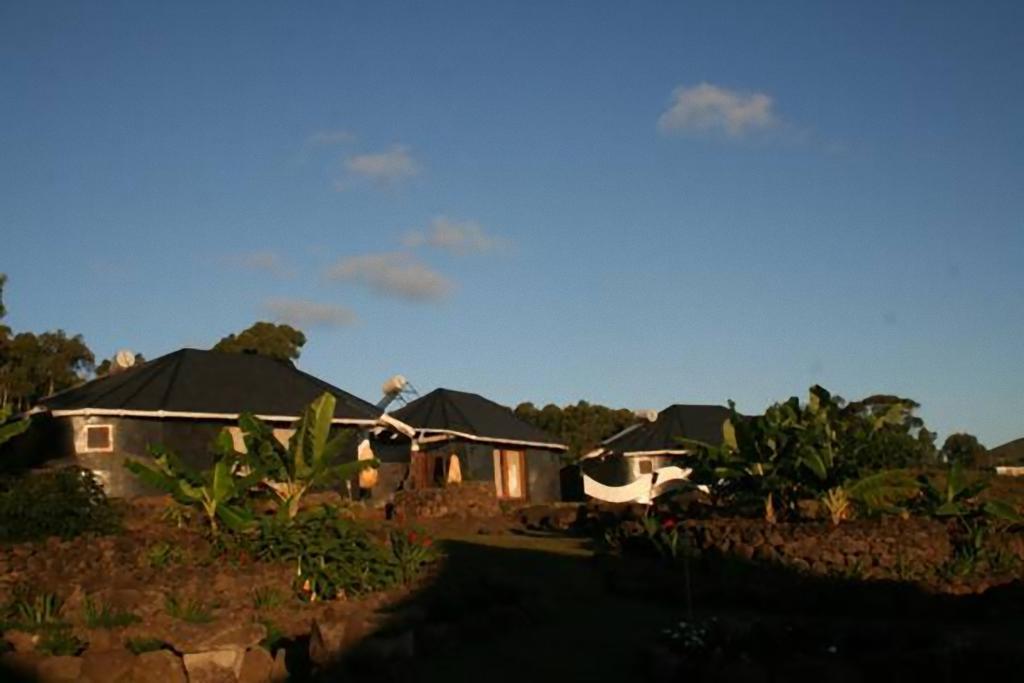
214,666
257,667
108,666
327,640
22,641
159,665
189,638
59,670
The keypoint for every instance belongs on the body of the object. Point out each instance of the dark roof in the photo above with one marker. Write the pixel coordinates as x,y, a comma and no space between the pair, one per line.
471,415
211,382
1010,453
701,423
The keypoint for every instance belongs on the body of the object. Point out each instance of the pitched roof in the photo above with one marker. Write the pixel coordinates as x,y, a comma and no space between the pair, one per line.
698,422
1010,453
213,384
459,413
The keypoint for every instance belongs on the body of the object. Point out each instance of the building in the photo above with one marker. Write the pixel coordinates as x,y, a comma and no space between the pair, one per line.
180,401
649,458
463,437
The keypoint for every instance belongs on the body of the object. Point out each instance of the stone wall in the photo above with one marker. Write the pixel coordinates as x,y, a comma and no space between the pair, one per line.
470,499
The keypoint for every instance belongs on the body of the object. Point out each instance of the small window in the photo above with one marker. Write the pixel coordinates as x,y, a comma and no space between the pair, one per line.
99,438
645,467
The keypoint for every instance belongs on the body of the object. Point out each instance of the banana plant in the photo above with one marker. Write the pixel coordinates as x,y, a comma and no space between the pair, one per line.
219,491
310,459
959,498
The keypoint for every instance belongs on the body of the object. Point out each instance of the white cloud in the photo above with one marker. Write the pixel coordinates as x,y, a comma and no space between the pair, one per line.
306,314
460,237
327,138
707,108
396,274
389,166
268,262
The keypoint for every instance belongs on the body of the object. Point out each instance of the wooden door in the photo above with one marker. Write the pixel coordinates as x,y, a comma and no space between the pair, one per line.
510,474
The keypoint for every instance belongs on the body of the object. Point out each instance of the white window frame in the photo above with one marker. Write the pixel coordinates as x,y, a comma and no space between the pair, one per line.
110,439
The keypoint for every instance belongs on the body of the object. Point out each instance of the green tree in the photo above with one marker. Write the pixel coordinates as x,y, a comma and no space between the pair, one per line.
582,426
963,449
282,342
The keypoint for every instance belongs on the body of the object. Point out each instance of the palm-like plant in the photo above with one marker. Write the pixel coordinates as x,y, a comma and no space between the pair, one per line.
10,430
310,459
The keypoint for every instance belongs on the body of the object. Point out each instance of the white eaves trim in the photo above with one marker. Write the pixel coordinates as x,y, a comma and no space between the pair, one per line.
488,439
122,412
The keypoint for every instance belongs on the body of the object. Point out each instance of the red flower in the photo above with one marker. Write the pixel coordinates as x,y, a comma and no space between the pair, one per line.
668,524
412,536
427,542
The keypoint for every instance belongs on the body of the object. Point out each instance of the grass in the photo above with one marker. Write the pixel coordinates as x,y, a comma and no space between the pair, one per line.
192,611
100,615
162,554
142,644
266,597
274,636
61,642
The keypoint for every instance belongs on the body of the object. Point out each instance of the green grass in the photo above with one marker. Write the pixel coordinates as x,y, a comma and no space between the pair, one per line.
100,615
266,597
142,644
193,610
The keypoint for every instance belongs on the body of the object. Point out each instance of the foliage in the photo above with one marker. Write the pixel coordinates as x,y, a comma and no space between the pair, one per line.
800,451
883,491
275,636
266,597
217,491
963,449
101,615
142,644
412,551
61,642
309,460
837,502
36,365
161,554
9,431
65,502
282,342
193,610
32,610
664,536
958,496
333,556
582,426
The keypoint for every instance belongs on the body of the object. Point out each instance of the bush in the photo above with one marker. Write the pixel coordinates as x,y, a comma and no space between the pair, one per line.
66,502
334,557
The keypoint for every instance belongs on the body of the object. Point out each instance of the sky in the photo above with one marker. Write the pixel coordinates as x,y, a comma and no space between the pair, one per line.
635,204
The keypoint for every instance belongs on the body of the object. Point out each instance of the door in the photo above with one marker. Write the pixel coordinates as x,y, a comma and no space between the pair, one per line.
510,474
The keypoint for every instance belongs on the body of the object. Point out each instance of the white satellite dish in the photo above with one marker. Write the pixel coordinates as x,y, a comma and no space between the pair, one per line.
394,385
647,414
124,359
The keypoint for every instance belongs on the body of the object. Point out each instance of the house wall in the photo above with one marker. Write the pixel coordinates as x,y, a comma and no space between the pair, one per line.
543,483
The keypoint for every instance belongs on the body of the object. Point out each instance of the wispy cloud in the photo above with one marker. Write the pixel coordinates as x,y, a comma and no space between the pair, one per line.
707,108
390,166
395,274
268,262
306,314
460,237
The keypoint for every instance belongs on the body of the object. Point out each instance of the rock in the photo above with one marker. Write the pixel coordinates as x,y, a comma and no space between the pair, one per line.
159,665
384,649
326,640
109,666
214,666
279,674
22,641
189,638
257,666
59,670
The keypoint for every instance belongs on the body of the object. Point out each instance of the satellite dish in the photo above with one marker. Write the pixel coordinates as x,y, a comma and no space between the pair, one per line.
394,385
124,359
647,414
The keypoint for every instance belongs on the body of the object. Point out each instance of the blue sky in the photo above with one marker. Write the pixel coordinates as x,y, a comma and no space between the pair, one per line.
631,203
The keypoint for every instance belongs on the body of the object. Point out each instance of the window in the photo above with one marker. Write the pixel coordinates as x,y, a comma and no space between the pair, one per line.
99,438
510,474
645,466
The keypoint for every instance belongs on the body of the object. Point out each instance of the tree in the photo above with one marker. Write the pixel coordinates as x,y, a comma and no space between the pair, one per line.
582,426
963,449
282,342
35,366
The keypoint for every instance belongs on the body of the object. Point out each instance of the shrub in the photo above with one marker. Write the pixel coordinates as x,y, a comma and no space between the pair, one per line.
61,642
333,556
29,610
66,502
162,554
412,550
